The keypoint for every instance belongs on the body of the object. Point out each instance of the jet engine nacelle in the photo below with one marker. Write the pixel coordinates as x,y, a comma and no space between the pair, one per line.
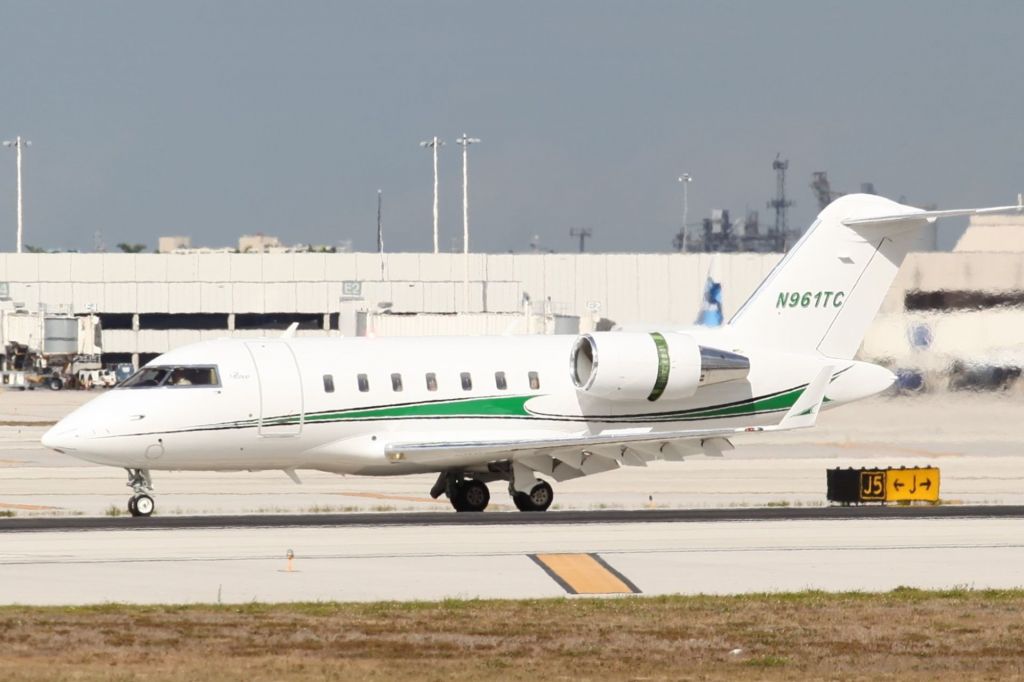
636,366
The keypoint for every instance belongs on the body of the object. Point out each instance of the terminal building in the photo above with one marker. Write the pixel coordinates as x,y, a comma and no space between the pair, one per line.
147,304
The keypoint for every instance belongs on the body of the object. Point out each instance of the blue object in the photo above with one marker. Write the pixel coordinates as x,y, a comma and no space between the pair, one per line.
909,380
921,336
711,306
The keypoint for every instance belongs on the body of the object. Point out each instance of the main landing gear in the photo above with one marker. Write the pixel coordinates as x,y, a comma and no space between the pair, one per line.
465,494
141,503
538,499
472,494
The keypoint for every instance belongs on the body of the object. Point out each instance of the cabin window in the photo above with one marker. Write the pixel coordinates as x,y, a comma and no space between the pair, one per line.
328,383
364,383
467,381
431,381
396,382
534,381
173,377
499,381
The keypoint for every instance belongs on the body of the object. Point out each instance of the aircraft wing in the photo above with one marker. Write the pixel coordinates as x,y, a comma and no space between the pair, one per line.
573,455
440,452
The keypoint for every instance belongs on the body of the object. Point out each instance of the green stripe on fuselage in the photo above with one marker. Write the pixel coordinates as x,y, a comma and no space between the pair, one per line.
515,406
505,406
781,401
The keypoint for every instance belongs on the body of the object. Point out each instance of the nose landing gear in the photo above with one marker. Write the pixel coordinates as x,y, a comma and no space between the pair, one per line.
141,503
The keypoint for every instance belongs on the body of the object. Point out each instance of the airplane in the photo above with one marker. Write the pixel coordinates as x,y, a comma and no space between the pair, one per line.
710,314
524,409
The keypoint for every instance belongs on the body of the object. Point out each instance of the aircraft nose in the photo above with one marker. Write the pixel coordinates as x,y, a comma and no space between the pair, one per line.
62,437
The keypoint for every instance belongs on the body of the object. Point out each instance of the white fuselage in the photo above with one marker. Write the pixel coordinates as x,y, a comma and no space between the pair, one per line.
271,408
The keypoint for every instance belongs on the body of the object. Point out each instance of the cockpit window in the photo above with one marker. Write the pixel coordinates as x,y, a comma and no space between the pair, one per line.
173,377
145,378
192,376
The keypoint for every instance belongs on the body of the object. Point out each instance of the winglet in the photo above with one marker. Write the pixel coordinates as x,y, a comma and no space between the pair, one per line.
290,331
804,412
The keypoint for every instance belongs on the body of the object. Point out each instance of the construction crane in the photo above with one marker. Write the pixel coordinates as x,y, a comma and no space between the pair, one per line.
780,204
822,189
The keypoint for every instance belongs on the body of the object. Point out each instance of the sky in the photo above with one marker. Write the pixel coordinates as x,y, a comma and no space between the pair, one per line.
216,119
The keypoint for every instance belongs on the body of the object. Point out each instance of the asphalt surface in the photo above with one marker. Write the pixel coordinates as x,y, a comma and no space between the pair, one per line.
15,525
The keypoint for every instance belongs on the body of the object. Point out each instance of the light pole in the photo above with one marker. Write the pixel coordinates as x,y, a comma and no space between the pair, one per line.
18,143
465,141
583,233
433,143
380,231
685,179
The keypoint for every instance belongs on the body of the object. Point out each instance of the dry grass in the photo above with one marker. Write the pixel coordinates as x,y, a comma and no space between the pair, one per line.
906,634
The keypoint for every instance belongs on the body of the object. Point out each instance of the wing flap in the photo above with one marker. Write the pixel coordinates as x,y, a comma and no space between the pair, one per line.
568,449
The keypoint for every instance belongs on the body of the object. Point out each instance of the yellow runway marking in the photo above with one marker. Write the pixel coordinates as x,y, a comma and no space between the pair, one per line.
26,423
584,574
26,507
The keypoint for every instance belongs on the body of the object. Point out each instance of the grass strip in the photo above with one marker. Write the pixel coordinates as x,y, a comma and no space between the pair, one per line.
907,634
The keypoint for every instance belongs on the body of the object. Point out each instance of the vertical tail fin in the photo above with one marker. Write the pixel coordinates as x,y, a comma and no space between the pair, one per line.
824,293
710,314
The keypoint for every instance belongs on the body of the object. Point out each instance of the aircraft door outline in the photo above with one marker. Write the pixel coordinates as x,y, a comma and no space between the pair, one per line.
281,406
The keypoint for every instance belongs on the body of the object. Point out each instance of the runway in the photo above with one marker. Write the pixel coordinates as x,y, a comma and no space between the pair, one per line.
522,560
834,513
753,521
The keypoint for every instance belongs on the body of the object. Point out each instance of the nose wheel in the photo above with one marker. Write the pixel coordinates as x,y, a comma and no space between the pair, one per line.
141,503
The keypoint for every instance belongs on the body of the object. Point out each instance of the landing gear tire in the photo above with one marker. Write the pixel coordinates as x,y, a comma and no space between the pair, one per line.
537,500
470,496
141,505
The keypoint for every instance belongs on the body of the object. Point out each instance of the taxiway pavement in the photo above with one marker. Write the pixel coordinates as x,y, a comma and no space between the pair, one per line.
633,516
404,562
225,537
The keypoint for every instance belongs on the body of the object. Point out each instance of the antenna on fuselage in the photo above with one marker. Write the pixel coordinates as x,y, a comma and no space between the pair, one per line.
290,331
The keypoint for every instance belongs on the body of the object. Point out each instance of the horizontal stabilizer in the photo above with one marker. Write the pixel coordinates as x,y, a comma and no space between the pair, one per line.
934,215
